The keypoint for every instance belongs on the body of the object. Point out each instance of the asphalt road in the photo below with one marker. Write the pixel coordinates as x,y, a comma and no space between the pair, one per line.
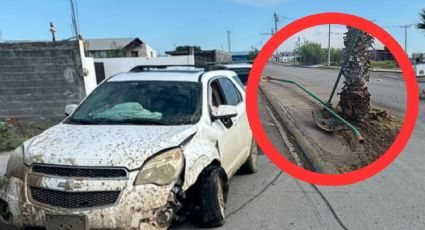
387,89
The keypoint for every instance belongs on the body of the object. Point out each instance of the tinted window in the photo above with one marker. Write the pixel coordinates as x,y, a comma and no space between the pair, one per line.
236,78
232,95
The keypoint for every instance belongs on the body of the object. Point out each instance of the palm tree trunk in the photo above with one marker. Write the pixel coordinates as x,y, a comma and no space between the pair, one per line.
354,101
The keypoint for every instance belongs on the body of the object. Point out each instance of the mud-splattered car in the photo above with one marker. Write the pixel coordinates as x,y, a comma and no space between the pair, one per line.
143,149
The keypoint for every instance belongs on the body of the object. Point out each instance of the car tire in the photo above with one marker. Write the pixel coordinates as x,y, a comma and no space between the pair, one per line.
251,164
213,197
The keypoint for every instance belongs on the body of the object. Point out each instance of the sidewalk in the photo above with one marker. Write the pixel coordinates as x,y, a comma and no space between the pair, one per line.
299,106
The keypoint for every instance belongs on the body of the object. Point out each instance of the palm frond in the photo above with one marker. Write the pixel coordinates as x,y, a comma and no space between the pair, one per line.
421,24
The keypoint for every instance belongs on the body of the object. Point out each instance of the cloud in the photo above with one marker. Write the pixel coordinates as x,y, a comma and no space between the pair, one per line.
259,2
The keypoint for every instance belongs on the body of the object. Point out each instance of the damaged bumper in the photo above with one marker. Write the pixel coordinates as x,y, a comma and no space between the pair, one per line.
103,204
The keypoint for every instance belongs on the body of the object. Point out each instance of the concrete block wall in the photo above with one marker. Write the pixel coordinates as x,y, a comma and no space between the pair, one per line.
37,79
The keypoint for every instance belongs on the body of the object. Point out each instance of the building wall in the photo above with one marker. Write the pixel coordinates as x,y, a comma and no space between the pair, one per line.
118,65
143,50
38,79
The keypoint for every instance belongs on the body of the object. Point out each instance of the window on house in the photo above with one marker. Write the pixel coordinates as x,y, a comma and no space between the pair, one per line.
134,53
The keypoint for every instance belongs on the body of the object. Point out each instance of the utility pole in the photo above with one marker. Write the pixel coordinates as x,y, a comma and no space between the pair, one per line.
405,27
329,46
228,41
276,21
74,19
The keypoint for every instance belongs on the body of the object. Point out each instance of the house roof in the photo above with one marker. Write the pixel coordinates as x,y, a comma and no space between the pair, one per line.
111,43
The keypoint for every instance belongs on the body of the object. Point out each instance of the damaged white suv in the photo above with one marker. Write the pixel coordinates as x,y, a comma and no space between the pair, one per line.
142,149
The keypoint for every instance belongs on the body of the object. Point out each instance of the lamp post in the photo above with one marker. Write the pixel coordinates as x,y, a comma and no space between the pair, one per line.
53,31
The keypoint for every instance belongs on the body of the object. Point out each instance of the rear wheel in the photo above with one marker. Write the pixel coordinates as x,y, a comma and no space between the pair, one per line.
213,197
251,164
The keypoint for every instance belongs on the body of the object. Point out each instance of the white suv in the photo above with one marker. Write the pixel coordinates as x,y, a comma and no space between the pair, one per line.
142,149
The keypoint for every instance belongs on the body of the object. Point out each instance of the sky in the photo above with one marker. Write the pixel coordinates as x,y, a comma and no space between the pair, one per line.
166,24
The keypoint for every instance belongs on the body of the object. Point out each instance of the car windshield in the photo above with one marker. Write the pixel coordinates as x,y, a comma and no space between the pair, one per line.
141,102
242,73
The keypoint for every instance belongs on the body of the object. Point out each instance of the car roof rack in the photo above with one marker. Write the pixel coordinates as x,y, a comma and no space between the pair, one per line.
142,68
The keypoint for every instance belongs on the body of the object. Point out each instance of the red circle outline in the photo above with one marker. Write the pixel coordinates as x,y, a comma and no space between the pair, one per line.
411,88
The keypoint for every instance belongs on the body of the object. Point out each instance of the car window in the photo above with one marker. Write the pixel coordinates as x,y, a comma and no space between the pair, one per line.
231,93
142,102
217,97
236,78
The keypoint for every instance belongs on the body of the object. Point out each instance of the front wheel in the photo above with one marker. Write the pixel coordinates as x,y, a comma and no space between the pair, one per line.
212,198
251,164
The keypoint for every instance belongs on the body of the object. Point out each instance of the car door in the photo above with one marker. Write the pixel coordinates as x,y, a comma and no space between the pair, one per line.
227,129
244,135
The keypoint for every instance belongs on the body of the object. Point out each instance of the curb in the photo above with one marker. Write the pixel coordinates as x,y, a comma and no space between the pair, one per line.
337,68
309,147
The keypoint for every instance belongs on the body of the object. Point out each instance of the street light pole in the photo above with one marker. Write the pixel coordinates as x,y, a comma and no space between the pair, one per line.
276,21
228,41
329,46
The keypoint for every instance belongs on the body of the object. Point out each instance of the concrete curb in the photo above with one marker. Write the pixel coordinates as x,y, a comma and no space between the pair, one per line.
337,67
311,150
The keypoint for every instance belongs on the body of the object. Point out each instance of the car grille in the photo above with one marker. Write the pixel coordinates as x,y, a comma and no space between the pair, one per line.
74,199
79,171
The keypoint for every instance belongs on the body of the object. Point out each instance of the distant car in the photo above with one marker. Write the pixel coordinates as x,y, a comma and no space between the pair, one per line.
141,150
241,69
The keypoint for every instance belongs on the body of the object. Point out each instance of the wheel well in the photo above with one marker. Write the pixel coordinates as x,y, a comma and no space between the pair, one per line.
193,190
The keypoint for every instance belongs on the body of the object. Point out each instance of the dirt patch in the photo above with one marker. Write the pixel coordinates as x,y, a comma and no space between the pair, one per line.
14,132
379,130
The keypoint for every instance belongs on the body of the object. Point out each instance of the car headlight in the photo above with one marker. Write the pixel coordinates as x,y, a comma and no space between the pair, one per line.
15,164
162,169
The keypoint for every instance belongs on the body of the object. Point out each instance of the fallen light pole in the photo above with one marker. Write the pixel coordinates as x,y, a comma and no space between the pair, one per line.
356,132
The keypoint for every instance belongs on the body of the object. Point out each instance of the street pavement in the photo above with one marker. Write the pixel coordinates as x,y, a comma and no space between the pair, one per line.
387,89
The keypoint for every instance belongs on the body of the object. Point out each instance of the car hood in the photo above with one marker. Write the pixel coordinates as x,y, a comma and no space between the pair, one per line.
103,145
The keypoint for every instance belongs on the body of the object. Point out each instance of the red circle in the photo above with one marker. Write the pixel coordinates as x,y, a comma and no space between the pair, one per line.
411,88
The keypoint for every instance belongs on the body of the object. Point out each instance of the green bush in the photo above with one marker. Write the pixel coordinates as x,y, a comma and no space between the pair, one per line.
384,64
12,136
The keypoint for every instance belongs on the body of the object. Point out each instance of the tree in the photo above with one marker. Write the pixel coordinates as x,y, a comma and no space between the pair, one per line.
252,54
421,24
354,101
310,53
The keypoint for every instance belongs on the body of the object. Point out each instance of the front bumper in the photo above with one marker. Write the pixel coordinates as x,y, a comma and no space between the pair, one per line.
138,207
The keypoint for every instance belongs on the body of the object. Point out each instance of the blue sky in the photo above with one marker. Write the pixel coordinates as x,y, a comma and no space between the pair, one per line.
196,22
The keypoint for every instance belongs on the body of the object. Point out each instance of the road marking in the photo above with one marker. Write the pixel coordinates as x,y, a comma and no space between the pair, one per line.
285,138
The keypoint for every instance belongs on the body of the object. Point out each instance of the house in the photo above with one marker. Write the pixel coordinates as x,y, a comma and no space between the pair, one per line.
203,57
118,47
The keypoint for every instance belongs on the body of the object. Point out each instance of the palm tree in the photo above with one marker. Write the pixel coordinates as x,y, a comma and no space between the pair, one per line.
421,24
354,101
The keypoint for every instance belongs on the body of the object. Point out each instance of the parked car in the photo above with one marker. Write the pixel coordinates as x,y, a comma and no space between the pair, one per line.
142,149
241,69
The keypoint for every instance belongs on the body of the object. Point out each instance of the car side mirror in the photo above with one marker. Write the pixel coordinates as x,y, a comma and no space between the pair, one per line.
69,109
225,111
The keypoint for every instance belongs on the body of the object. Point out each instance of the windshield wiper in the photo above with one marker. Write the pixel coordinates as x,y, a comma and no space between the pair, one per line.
81,121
